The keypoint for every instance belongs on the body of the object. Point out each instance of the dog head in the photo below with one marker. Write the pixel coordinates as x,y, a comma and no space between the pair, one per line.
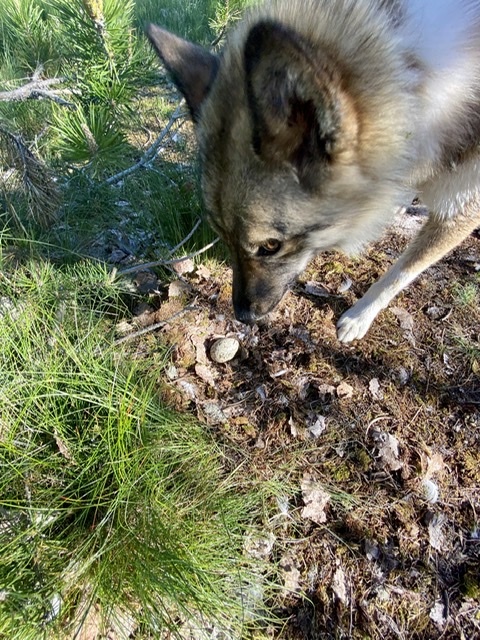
279,138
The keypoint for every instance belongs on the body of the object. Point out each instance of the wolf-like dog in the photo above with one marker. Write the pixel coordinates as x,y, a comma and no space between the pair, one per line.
320,118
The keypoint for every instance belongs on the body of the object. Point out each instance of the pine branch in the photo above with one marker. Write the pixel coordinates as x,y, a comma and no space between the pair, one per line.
30,176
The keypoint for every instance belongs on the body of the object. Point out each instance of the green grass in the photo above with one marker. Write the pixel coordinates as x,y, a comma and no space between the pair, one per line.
107,499
112,507
468,294
197,20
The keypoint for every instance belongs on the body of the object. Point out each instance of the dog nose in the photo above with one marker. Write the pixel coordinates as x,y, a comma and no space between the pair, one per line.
245,314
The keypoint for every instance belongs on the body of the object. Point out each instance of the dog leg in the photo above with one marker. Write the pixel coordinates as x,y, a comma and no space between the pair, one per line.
436,238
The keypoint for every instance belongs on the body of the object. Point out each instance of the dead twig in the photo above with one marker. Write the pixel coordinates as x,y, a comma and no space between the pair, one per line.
187,238
156,325
165,263
37,89
150,153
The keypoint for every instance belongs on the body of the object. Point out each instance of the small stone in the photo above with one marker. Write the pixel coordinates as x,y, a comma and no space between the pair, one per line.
224,349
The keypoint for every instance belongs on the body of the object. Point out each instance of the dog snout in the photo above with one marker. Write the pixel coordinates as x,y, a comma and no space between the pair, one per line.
246,315
253,311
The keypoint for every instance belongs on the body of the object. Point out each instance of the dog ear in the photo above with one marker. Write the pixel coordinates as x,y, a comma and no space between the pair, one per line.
193,68
294,108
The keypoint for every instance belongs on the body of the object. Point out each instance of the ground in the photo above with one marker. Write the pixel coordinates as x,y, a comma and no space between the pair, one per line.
377,443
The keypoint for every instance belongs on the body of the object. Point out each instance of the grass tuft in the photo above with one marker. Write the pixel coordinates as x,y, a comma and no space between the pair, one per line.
109,502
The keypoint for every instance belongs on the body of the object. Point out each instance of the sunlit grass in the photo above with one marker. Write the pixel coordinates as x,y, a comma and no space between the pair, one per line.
107,499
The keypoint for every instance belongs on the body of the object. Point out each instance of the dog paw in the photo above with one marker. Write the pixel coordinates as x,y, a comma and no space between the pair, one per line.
354,324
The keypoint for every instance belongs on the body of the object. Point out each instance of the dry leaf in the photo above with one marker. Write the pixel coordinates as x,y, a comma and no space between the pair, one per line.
290,575
388,451
89,627
315,499
345,286
189,390
317,425
62,447
406,323
344,390
339,586
374,388
171,372
430,491
314,289
435,313
123,328
437,615
56,604
200,349
435,533
203,272
259,546
435,465
122,625
293,427
206,374
213,414
404,318
326,389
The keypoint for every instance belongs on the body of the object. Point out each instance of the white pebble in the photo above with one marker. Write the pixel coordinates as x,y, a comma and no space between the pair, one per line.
224,349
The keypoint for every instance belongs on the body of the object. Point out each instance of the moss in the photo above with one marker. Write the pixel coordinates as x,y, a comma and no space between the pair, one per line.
471,584
342,472
363,459
472,464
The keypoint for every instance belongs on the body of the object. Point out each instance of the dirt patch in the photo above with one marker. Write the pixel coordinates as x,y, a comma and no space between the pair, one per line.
377,443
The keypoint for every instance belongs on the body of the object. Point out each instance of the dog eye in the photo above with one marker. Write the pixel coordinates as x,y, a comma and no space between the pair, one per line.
269,248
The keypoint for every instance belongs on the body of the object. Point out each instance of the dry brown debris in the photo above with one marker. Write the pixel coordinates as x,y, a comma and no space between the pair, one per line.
378,442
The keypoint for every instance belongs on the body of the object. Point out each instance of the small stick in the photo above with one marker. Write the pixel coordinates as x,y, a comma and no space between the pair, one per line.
157,325
180,244
151,151
35,89
164,263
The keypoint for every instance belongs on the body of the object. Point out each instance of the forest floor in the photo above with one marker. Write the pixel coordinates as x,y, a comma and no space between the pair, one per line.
378,442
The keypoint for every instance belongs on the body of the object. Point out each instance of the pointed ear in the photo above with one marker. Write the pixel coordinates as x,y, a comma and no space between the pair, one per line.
193,69
293,104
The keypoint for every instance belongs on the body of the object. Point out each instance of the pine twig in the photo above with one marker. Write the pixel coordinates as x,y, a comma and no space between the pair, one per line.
31,176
